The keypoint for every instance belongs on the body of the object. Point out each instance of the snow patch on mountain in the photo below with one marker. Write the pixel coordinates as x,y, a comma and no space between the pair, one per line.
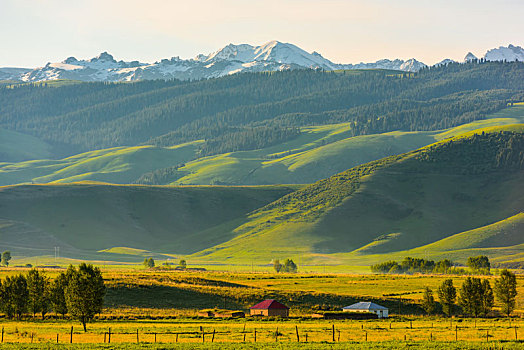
444,62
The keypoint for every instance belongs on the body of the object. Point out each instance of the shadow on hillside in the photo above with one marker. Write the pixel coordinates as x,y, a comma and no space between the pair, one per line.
166,297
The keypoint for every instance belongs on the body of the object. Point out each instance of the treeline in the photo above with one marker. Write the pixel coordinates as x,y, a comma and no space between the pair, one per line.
89,116
78,292
161,176
474,298
248,139
477,264
477,154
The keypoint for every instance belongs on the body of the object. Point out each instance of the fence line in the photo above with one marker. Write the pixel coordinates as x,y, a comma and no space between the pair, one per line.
287,333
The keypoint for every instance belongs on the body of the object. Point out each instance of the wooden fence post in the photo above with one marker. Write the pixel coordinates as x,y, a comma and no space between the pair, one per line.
213,338
456,333
333,332
71,336
298,337
32,335
487,335
176,338
366,335
306,337
203,336
255,335
57,338
137,340
276,335
515,334
105,337
109,335
3,334
410,324
155,337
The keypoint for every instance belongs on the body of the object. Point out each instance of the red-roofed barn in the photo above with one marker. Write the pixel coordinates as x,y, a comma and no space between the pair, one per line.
269,307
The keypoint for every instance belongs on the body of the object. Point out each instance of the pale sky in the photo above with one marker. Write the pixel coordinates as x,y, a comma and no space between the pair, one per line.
34,32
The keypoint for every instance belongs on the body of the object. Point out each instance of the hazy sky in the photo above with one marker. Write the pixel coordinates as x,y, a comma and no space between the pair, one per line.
33,32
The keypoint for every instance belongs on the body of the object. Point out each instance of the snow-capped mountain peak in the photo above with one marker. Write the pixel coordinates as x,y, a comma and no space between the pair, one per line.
232,58
470,57
510,53
104,56
444,62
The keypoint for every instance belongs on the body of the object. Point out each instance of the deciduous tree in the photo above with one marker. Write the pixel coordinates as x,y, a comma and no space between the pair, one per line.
506,291
447,295
84,293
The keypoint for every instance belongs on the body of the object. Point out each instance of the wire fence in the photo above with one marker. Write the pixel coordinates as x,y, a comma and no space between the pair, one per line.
264,334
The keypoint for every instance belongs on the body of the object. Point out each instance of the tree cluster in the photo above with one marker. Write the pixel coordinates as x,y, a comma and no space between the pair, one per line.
475,297
149,263
287,266
77,291
413,265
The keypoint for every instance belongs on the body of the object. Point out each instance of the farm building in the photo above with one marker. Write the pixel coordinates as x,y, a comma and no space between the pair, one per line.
367,306
269,307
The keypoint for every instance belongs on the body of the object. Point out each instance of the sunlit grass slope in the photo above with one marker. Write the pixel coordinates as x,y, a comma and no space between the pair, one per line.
114,165
321,152
393,204
89,217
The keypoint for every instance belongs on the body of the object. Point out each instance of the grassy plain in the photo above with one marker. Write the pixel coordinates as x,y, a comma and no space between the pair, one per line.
162,305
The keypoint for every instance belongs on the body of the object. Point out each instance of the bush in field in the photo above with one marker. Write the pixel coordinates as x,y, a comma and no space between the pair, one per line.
476,296
182,264
84,293
14,296
447,295
277,265
428,301
6,257
506,291
289,266
149,263
38,291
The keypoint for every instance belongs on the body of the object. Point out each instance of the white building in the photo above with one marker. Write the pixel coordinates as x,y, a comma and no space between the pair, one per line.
367,306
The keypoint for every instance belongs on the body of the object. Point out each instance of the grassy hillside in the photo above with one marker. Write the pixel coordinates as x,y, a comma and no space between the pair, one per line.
317,153
86,218
113,165
15,147
396,203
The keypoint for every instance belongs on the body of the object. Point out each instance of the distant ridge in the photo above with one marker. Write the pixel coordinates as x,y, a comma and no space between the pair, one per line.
231,59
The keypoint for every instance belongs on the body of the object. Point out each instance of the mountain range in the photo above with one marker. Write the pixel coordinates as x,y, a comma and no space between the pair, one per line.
231,59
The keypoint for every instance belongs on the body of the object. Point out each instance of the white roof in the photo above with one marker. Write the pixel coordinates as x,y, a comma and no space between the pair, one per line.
365,305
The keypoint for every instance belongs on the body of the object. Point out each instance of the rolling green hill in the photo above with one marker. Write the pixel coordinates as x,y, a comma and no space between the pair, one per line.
318,152
455,198
85,218
390,205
